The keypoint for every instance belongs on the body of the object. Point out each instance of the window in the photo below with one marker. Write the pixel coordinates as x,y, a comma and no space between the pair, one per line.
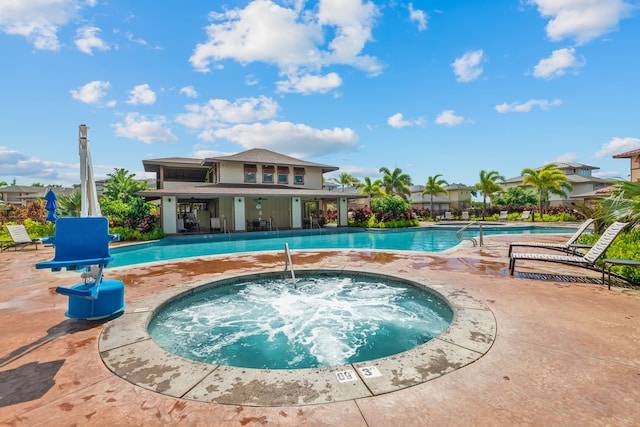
267,174
283,175
585,172
298,176
250,173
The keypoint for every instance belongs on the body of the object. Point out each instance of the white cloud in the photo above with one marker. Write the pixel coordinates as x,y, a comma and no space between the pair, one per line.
137,126
515,107
37,20
397,121
87,40
16,164
291,38
449,118
566,158
189,91
92,92
582,20
220,112
618,145
418,16
310,84
468,67
141,94
297,140
557,64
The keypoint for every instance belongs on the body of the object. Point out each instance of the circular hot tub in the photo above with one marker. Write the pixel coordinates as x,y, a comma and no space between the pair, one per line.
419,330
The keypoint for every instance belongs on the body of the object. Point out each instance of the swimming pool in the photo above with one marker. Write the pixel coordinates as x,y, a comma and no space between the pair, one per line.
421,239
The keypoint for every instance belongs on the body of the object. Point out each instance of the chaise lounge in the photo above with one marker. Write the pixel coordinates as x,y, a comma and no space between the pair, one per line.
19,238
587,261
567,246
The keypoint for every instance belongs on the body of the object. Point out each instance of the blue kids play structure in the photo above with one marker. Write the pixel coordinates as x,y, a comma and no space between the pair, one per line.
83,243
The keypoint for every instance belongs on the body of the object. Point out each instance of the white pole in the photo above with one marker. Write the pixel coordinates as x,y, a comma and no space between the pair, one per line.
89,197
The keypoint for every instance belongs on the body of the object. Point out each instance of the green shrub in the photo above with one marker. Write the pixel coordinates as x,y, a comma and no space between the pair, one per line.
625,246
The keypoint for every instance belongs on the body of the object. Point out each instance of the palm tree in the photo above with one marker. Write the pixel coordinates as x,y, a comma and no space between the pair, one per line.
488,187
434,186
70,205
396,182
624,202
547,180
122,186
370,188
345,180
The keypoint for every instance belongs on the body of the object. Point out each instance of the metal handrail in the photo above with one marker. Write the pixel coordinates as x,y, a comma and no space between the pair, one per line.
289,263
475,242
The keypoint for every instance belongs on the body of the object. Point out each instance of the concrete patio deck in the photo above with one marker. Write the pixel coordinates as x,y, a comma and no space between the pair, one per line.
566,352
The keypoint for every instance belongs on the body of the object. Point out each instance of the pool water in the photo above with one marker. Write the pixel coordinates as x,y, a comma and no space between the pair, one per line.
423,239
318,321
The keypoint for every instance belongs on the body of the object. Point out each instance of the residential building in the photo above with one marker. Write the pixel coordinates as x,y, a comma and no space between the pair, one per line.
580,176
634,159
256,189
23,194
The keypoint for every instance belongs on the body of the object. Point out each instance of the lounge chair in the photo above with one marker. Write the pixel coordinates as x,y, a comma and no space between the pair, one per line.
587,261
503,215
568,246
525,215
215,224
19,238
448,216
465,215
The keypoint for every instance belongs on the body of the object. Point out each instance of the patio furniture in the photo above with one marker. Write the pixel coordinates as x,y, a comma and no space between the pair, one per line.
587,261
84,243
19,238
465,215
215,224
503,215
525,215
568,246
448,216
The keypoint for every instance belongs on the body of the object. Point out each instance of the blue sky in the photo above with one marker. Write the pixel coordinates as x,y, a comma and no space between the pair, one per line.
431,87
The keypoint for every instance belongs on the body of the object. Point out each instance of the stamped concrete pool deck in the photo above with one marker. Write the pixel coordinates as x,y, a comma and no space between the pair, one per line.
566,349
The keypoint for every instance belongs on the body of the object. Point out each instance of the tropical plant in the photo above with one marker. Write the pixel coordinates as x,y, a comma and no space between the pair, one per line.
624,202
121,185
488,187
433,187
396,183
345,180
516,196
596,211
547,180
70,205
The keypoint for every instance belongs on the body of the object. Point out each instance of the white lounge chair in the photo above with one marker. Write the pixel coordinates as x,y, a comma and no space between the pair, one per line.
587,261
525,215
448,216
503,215
19,238
568,246
465,215
215,224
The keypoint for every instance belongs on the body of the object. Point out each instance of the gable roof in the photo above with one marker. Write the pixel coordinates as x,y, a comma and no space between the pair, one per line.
261,155
627,154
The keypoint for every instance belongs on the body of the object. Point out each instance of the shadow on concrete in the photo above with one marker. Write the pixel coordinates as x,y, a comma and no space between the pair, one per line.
68,326
28,382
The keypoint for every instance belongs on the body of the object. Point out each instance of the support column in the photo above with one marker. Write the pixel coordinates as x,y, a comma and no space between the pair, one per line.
239,218
169,214
296,213
343,214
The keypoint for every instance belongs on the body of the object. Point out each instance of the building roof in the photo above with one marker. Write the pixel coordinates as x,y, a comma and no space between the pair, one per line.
209,191
261,155
627,154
